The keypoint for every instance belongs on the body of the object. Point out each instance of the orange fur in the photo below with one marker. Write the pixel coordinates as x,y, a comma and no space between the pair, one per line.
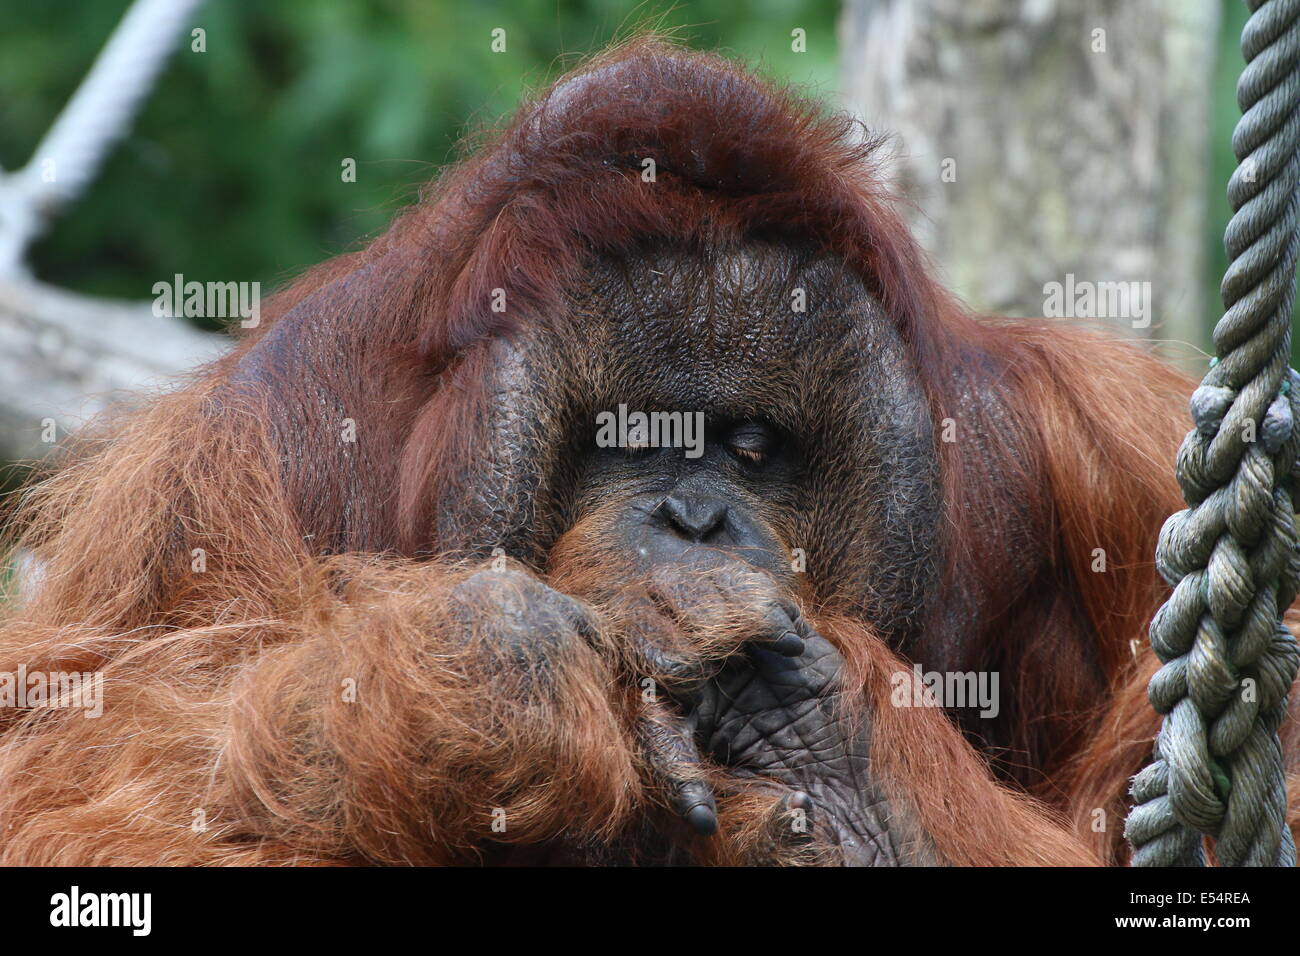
226,737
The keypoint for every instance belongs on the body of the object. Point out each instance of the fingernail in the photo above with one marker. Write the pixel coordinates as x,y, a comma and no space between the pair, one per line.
790,644
703,820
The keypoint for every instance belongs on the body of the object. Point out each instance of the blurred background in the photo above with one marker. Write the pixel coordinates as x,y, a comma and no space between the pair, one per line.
1035,138
232,168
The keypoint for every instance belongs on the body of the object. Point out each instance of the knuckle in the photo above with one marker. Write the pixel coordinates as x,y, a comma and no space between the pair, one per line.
516,614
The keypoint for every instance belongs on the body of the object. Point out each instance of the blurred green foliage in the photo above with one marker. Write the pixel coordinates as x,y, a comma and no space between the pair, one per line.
232,171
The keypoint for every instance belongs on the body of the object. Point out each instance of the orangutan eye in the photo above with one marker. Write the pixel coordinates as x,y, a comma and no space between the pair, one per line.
751,442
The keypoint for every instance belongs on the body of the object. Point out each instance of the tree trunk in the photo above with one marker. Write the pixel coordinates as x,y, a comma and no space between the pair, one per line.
65,357
1075,140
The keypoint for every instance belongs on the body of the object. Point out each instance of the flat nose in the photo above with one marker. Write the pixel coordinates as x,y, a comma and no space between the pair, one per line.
695,518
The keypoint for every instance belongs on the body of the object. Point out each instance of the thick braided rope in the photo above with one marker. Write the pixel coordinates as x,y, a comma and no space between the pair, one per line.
1231,556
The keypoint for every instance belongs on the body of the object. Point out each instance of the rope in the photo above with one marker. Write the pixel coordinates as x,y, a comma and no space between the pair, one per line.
1231,556
98,114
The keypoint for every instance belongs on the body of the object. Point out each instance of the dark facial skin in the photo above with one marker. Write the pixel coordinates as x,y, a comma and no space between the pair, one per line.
713,502
773,711
817,437
816,425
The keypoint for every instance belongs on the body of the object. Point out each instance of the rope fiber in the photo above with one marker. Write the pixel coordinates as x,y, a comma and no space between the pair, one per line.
1231,556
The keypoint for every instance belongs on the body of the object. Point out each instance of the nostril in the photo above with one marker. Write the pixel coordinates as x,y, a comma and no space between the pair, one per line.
696,518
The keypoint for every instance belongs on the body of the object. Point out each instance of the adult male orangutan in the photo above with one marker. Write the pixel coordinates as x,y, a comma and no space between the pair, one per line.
369,590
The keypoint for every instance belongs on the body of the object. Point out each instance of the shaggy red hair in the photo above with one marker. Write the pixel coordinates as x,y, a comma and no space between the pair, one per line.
213,679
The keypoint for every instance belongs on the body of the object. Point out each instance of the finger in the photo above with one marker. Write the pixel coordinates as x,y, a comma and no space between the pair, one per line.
674,762
791,821
653,648
580,617
663,666
787,833
788,644
796,813
780,630
778,624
